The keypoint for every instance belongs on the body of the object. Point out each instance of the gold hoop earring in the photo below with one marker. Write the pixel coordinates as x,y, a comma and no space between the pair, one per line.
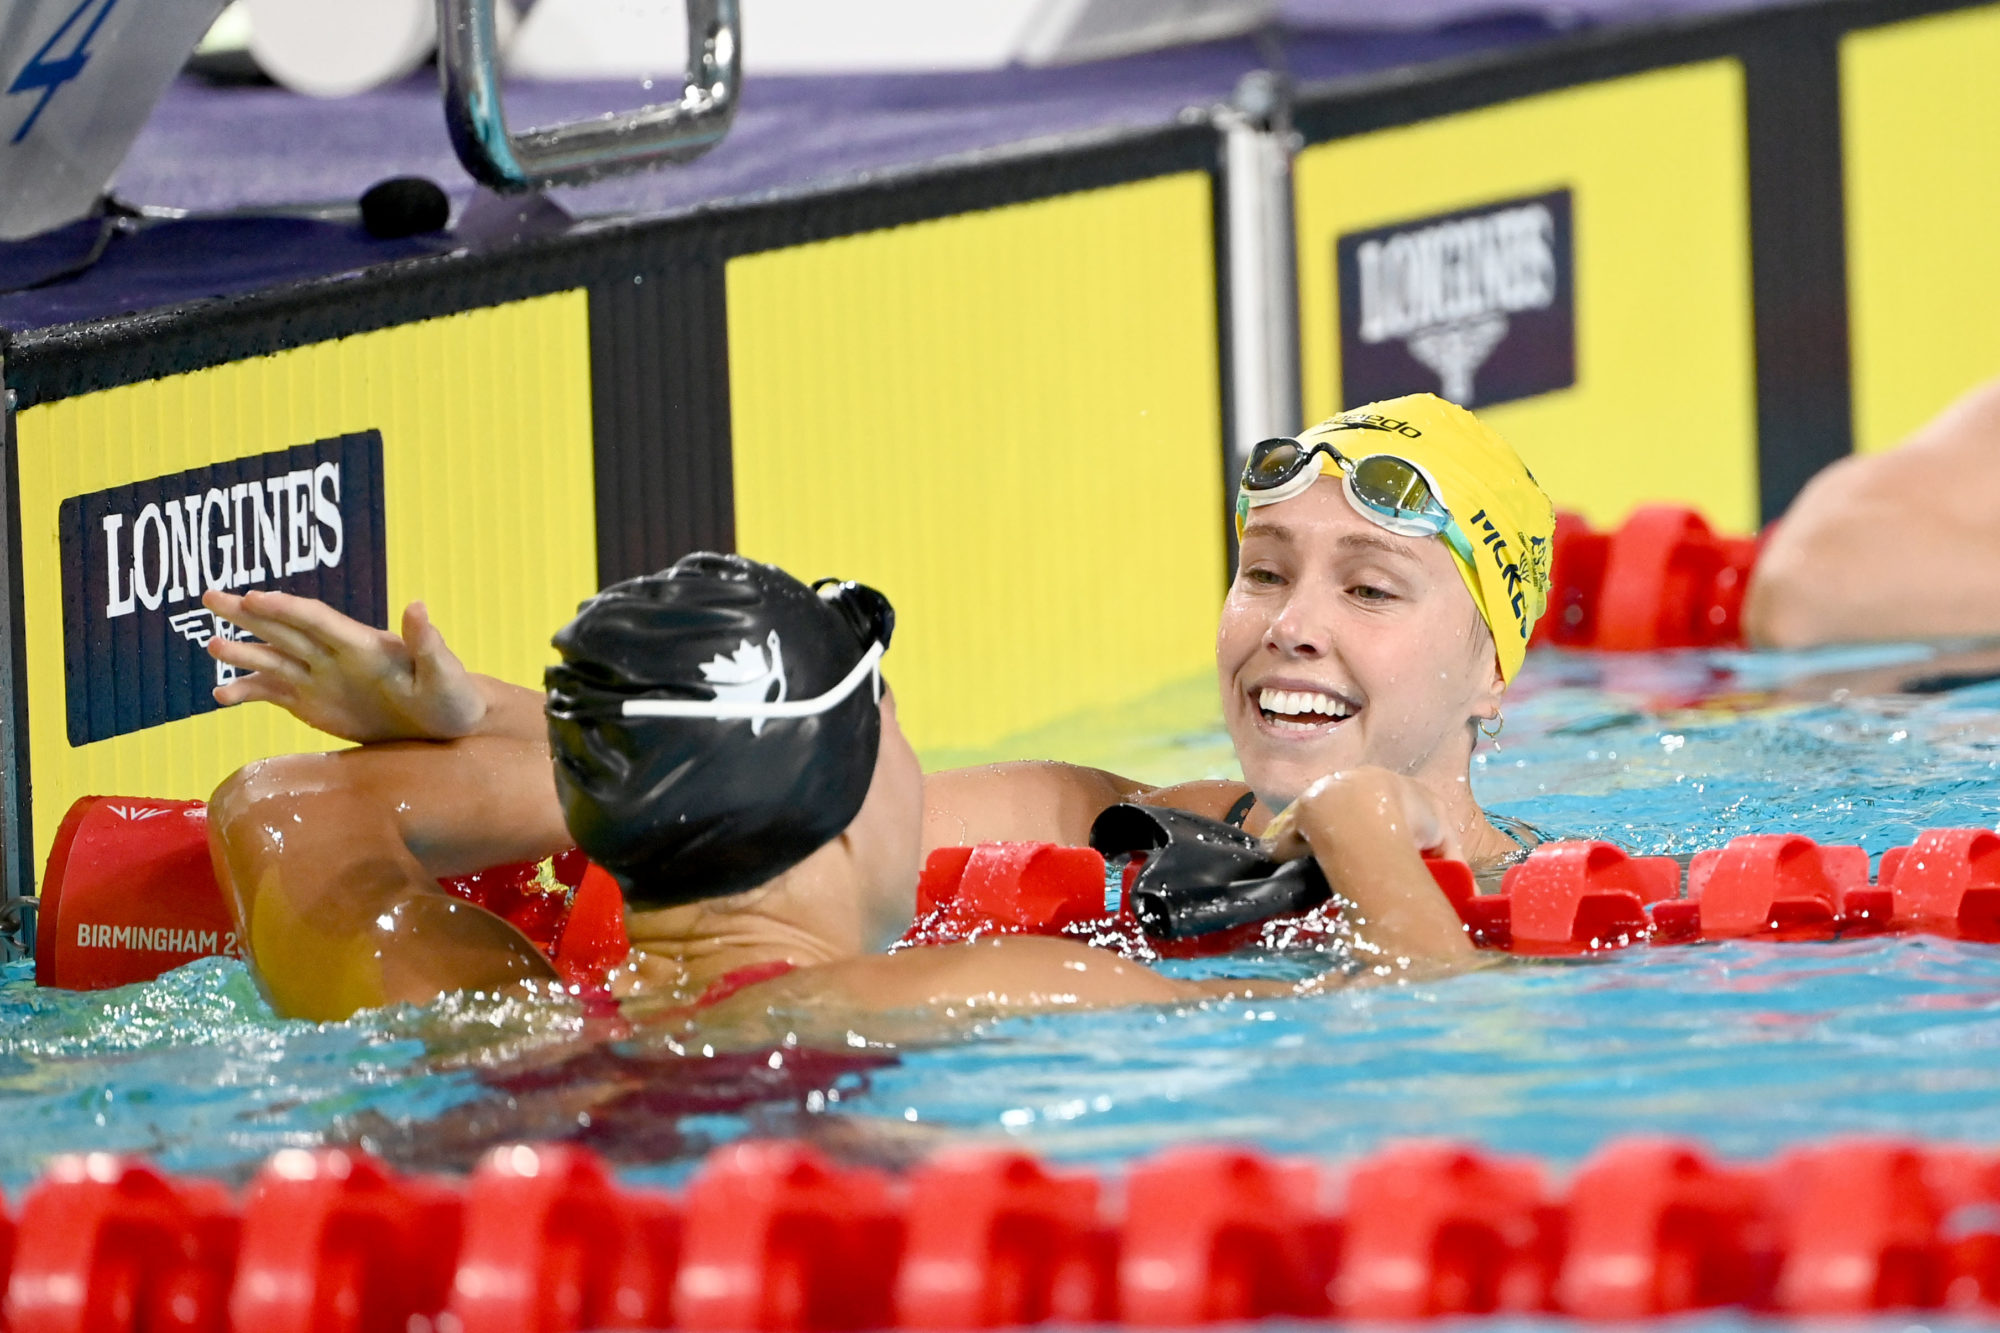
1499,725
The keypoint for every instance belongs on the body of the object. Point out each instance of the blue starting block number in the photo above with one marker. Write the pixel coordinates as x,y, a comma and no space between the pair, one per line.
49,72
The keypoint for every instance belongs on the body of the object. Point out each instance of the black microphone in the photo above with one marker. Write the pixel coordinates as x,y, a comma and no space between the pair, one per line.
404,206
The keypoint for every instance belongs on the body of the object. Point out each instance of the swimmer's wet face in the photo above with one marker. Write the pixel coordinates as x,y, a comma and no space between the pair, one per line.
1342,645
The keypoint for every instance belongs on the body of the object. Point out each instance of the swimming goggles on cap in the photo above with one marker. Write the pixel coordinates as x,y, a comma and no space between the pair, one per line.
1391,492
865,610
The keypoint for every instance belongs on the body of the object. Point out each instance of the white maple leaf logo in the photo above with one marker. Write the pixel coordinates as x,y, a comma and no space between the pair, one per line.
747,676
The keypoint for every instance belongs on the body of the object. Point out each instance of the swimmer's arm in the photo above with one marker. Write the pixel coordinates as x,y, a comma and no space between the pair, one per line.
985,978
1044,801
328,865
360,683
1897,545
1857,560
1370,829
1027,801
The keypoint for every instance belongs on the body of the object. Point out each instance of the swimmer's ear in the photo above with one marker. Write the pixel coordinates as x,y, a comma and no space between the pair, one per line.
1486,703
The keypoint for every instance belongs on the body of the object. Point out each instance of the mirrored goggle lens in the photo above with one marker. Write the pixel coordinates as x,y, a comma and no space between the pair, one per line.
1272,463
1393,486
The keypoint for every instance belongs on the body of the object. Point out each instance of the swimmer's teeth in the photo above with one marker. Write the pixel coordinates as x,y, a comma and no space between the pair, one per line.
1295,703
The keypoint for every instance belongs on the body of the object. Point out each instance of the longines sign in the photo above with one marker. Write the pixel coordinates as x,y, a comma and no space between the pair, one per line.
1477,306
137,558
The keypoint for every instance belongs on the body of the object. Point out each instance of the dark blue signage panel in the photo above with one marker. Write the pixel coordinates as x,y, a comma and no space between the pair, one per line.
1477,306
137,558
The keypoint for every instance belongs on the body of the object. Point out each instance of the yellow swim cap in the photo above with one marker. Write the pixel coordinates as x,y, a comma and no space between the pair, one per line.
1502,511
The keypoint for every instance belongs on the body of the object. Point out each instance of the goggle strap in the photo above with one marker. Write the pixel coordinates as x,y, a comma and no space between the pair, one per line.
738,710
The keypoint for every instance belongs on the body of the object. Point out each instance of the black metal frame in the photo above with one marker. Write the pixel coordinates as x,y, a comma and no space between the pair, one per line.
17,844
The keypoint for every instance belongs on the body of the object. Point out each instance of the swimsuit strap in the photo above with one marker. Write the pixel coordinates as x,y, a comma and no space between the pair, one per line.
741,978
1525,835
1241,810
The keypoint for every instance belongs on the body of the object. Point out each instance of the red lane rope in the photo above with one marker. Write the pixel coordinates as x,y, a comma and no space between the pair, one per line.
130,893
1565,898
773,1236
1662,579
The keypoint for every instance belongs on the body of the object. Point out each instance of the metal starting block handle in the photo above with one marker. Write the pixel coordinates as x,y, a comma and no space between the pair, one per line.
579,151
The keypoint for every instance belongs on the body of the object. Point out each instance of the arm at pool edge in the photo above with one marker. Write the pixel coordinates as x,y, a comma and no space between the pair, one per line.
1894,545
1370,831
328,864
372,686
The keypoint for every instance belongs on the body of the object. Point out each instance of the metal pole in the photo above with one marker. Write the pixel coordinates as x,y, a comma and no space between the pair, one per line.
17,844
1263,313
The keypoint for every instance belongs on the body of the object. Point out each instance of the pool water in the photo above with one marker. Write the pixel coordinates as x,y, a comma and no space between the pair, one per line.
1746,1046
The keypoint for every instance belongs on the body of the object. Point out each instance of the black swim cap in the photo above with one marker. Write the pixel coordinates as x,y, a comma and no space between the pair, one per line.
681,808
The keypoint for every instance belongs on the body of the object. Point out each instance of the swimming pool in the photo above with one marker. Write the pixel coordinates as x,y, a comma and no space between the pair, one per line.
1746,1046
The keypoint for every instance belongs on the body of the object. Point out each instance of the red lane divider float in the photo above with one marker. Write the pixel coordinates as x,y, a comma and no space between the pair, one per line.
1565,898
1664,579
1579,897
129,893
773,1236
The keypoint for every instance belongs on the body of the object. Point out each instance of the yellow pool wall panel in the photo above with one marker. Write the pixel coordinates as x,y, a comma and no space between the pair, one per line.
1009,421
485,420
1664,404
1920,115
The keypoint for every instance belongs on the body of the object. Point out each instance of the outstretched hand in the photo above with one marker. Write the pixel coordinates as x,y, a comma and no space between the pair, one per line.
347,679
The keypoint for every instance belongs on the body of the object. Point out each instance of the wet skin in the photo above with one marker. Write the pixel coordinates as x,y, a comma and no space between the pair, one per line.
329,862
1342,647
1328,610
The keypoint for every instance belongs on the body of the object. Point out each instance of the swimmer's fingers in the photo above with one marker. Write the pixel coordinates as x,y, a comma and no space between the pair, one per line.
244,615
325,668
258,657
430,657
1283,840
271,677
257,687
444,697
307,627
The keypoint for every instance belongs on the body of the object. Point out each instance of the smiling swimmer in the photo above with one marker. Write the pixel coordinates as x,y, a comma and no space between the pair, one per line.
724,745
1373,623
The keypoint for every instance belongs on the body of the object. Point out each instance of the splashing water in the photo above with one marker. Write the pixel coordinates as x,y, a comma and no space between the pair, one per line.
1747,1046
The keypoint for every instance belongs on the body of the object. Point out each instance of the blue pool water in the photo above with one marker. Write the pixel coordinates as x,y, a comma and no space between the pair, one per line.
1746,1046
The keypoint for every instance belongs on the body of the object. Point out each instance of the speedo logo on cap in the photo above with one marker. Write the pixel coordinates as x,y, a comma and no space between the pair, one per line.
1375,421
1476,305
